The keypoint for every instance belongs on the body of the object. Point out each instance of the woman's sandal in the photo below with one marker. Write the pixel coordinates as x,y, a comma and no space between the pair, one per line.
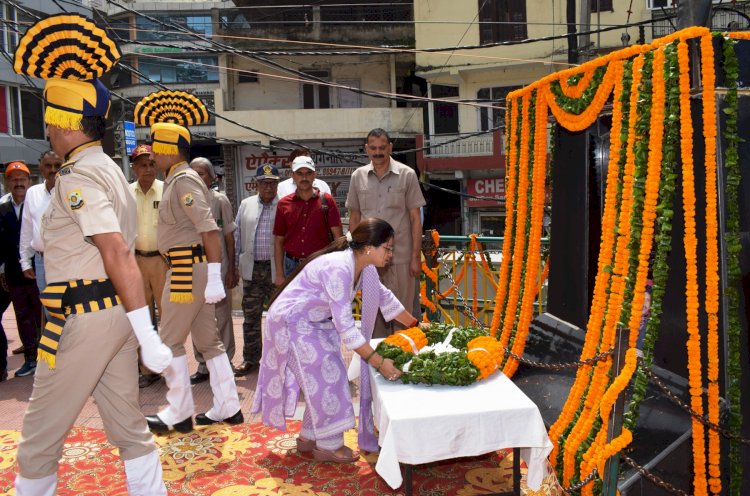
349,456
305,445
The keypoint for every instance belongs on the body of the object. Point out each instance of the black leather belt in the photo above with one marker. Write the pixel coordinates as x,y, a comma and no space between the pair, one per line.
154,253
294,259
261,262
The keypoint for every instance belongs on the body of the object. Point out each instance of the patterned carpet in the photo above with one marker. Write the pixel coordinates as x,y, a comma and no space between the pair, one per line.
251,459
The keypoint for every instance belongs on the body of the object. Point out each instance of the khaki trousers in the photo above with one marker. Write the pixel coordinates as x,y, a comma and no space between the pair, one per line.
223,323
154,272
96,356
398,279
197,319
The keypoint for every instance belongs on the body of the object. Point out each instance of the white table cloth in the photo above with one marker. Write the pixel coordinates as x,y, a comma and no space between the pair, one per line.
421,424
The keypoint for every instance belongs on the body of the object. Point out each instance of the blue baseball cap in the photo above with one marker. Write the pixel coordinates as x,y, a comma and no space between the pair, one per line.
267,172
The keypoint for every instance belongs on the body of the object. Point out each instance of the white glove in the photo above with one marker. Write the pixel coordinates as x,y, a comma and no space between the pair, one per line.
155,354
214,287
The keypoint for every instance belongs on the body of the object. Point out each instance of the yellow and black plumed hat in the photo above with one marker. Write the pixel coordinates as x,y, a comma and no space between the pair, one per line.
71,53
169,113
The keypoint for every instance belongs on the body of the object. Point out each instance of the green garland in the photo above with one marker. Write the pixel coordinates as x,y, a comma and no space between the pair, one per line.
663,236
578,105
732,236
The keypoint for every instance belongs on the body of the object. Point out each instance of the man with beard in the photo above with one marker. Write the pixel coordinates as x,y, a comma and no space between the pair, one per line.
389,190
306,221
23,291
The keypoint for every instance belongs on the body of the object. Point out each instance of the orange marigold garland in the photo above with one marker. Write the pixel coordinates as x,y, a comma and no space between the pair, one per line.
601,285
595,456
691,268
600,378
510,214
410,340
712,260
519,250
486,354
577,89
533,252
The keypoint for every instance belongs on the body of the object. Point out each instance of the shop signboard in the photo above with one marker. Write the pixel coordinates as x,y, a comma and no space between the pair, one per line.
488,187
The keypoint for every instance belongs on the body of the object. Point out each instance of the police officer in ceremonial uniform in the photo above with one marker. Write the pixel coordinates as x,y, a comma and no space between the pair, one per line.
94,293
189,240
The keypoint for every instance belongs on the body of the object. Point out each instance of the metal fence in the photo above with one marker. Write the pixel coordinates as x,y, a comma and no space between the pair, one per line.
730,17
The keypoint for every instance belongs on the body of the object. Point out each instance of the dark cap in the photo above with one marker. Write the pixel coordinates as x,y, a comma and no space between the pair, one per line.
267,172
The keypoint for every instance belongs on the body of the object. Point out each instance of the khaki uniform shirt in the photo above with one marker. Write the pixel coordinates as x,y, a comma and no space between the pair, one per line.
147,206
184,210
389,199
91,196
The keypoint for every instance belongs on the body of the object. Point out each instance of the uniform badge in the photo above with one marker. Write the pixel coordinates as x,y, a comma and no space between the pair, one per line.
75,198
65,170
187,200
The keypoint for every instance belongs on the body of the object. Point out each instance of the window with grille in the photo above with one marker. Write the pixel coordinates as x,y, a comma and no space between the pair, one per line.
316,96
602,6
502,20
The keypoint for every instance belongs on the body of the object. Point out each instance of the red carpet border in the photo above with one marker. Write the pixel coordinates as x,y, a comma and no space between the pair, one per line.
252,459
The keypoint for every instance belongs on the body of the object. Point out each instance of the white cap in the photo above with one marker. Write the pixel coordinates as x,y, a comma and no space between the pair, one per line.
303,161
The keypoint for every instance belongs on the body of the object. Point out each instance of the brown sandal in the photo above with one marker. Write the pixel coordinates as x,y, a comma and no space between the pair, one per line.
305,445
349,456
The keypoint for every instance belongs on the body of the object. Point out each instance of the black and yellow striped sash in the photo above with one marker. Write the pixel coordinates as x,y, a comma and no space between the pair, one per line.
71,298
181,260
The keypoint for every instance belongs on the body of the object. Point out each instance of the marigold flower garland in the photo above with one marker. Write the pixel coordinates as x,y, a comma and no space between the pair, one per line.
601,285
514,286
619,272
598,452
510,214
410,340
574,122
691,272
577,89
533,252
486,355
712,259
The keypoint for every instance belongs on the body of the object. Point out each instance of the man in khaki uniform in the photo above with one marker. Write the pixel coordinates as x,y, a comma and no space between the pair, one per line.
188,238
89,234
221,210
389,190
147,190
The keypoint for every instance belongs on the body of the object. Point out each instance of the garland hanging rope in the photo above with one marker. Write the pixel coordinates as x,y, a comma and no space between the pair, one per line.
636,232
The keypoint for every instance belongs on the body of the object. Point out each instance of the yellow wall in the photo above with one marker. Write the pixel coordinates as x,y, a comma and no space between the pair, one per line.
447,23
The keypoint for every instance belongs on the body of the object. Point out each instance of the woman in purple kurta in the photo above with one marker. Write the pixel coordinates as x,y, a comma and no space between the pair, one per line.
307,323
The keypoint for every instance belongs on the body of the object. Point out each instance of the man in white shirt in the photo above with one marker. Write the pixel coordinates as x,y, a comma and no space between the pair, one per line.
288,186
31,247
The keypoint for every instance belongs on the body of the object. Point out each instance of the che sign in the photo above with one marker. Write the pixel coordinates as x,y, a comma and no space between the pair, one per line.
490,187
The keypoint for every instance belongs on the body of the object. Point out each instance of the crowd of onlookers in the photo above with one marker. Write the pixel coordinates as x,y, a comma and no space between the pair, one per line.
272,232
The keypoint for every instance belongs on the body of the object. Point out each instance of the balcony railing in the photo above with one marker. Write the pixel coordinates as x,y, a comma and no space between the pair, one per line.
450,145
729,17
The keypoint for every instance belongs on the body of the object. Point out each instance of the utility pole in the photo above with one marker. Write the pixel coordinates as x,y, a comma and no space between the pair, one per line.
570,14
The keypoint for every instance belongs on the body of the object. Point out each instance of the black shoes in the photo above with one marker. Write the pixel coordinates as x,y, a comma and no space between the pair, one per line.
198,377
245,369
155,424
145,380
202,419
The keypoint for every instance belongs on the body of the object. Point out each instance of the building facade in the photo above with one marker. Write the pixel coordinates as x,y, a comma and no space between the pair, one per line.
464,136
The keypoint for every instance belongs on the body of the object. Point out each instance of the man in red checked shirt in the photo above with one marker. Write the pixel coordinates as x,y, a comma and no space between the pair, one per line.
306,221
